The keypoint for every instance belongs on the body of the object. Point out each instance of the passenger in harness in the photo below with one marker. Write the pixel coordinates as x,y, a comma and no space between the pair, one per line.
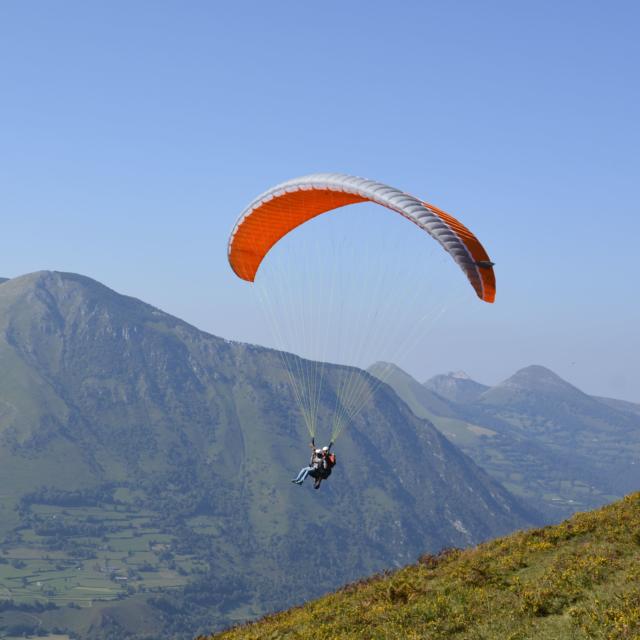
326,466
320,466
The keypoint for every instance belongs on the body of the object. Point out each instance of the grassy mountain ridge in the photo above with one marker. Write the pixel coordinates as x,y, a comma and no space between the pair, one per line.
145,462
417,396
544,439
579,579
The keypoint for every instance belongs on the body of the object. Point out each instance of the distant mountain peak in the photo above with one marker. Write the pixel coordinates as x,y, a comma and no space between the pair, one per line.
457,386
534,381
537,370
54,280
459,375
537,377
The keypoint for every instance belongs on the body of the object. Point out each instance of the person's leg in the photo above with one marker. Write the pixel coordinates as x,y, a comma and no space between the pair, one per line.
304,472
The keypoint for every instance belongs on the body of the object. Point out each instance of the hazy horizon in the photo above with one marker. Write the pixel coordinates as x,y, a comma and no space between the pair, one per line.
271,341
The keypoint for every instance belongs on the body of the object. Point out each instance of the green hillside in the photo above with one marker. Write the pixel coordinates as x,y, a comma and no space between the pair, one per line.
579,579
145,466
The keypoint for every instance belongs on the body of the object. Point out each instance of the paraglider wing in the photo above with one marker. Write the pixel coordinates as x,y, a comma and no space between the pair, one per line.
288,205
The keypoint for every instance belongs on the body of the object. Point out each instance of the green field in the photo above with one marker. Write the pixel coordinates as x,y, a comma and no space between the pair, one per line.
131,556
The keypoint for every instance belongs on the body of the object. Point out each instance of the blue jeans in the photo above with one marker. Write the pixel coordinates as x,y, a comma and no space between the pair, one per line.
304,472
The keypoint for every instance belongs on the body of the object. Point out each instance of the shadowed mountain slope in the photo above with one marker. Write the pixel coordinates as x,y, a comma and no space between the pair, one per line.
108,401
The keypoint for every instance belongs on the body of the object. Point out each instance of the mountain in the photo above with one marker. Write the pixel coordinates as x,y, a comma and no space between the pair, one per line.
544,439
456,386
622,405
583,429
535,383
421,400
145,470
444,413
576,580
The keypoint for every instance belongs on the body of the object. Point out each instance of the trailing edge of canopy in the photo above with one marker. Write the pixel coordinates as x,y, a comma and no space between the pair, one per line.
288,205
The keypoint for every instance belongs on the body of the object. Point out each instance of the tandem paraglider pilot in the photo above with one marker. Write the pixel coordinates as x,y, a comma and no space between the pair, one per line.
320,466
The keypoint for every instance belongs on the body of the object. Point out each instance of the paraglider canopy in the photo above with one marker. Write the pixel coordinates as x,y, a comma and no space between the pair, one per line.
286,206
349,295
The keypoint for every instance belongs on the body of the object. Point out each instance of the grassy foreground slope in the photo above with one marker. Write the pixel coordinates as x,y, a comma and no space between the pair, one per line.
579,579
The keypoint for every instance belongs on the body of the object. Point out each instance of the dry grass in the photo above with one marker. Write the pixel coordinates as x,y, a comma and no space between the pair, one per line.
579,579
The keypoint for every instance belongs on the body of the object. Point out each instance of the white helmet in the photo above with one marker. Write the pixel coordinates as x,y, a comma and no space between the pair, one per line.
318,451
325,449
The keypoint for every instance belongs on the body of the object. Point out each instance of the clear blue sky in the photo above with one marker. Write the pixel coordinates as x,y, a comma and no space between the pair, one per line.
133,133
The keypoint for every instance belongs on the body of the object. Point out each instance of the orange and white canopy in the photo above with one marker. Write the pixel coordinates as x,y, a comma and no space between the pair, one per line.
288,205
